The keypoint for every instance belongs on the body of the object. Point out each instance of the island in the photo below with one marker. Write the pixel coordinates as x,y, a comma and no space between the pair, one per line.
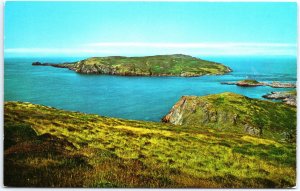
236,113
49,147
288,97
254,83
159,65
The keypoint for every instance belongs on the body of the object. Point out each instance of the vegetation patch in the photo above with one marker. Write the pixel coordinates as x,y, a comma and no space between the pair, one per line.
159,65
234,112
41,150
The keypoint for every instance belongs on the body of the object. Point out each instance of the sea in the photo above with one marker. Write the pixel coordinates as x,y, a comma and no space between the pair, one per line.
137,98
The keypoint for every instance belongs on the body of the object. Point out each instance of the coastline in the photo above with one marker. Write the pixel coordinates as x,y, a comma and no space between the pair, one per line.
60,143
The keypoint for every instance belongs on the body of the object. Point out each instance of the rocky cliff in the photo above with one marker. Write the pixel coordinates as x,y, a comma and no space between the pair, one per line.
288,97
236,112
161,65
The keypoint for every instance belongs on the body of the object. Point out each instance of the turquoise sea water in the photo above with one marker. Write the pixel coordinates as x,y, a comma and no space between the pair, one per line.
141,98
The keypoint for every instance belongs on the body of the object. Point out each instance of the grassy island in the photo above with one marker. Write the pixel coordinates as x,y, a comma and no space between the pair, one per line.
160,65
48,147
249,81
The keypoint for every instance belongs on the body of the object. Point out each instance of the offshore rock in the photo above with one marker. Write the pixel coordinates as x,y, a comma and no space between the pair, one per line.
254,83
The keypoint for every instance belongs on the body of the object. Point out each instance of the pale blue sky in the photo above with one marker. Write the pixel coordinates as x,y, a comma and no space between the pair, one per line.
146,28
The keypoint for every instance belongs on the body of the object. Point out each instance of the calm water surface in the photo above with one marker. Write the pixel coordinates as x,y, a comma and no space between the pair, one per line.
141,98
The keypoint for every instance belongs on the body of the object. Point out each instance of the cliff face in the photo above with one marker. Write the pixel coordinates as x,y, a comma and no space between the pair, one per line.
161,65
236,112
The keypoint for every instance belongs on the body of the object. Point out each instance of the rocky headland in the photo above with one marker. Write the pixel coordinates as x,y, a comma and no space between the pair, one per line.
64,65
288,97
254,83
237,113
160,65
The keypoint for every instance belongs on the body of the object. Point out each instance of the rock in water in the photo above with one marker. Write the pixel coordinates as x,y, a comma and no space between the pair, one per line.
36,64
254,83
247,83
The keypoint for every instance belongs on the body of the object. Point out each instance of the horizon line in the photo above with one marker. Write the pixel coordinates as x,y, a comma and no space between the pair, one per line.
142,48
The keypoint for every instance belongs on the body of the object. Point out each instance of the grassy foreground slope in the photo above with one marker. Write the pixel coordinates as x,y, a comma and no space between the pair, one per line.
236,113
160,65
49,147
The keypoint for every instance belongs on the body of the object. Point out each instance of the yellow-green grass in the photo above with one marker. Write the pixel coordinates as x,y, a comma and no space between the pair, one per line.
237,113
249,81
50,147
292,92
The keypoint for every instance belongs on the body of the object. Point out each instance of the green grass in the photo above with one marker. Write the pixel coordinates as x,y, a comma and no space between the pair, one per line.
160,65
249,81
237,113
292,92
45,146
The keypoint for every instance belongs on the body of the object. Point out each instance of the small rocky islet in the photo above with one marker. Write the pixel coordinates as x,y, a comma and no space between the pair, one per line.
254,83
159,65
287,97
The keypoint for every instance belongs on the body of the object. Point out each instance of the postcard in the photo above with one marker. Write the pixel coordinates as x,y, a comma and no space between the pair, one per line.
150,94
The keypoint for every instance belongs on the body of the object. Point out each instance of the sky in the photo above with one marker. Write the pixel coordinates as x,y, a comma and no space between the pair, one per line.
149,28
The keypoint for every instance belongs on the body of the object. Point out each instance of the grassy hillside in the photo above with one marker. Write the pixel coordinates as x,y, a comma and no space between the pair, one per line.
49,147
161,65
236,113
